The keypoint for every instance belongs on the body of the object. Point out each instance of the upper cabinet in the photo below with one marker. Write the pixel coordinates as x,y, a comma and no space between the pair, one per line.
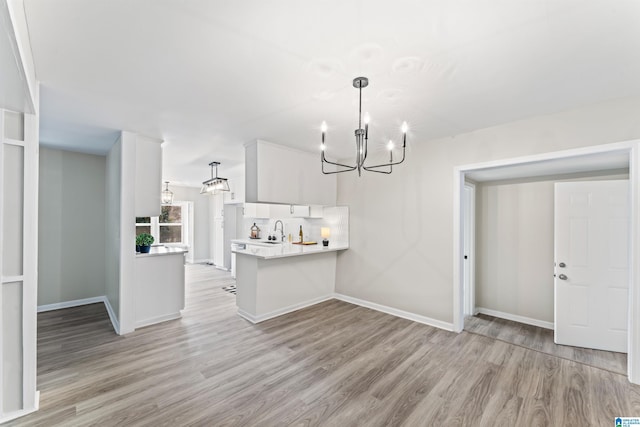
148,181
266,210
279,174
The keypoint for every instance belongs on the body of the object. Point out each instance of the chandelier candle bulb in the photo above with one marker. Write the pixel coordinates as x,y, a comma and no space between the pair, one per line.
366,125
404,134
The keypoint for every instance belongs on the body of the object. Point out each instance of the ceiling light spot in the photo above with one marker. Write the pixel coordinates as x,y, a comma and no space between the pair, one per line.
367,53
408,64
325,67
389,95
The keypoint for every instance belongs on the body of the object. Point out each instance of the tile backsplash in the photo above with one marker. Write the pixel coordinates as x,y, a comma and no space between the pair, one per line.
336,218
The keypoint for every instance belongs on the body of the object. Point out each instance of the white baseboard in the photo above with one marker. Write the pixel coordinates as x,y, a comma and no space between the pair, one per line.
112,316
199,261
261,318
69,304
154,320
378,307
17,414
396,312
78,302
515,318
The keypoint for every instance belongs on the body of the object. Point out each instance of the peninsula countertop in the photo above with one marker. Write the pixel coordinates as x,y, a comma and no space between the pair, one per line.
163,250
283,250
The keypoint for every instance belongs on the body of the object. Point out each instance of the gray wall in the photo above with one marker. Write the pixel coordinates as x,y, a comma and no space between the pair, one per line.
71,221
401,247
112,240
201,219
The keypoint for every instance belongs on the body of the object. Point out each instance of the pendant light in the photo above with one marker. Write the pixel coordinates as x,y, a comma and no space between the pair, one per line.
216,184
167,195
362,139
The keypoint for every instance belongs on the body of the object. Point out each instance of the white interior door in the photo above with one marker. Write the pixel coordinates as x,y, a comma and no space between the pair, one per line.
592,265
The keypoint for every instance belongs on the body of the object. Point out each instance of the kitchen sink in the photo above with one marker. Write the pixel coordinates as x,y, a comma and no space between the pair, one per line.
272,242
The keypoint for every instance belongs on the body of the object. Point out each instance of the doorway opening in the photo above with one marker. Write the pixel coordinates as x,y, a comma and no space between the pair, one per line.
587,160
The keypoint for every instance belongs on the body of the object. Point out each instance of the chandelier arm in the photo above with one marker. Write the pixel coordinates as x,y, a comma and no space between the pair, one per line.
371,168
385,172
324,160
349,169
331,173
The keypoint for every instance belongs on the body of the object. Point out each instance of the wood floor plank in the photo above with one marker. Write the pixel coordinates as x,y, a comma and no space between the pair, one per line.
541,339
332,364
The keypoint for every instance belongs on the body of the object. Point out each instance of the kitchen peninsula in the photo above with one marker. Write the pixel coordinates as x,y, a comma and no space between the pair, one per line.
275,279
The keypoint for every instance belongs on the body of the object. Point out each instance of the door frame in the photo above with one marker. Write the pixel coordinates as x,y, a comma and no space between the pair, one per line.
469,211
632,149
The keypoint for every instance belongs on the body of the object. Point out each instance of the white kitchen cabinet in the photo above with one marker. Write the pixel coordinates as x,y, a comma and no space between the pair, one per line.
279,174
316,211
278,211
299,211
256,210
148,177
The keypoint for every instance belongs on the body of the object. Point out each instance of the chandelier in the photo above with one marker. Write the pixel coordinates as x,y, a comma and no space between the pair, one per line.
362,138
216,184
167,195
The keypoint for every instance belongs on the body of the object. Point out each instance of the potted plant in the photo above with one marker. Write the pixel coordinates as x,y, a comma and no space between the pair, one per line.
144,241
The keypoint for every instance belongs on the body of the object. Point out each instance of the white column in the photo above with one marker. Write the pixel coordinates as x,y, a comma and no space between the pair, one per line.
18,263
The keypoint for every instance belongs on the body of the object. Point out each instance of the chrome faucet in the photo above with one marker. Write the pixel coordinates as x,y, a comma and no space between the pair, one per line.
275,228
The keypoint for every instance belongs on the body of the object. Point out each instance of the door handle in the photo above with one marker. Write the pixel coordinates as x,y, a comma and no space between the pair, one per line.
562,277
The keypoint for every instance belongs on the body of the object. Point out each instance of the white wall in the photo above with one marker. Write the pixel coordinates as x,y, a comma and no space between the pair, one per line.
71,257
201,219
401,249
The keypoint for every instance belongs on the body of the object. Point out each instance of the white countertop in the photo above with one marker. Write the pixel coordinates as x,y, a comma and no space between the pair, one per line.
163,250
256,242
283,250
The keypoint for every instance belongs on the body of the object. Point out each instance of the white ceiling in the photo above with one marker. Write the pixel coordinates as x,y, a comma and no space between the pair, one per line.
209,75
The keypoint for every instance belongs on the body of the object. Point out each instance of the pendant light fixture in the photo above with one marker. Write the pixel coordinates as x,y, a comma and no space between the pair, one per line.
216,184
167,195
362,138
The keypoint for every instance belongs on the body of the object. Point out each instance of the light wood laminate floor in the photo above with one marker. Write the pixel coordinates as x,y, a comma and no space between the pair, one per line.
541,339
333,364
